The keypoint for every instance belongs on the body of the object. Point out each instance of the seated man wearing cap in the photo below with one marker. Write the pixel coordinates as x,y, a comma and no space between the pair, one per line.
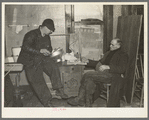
35,56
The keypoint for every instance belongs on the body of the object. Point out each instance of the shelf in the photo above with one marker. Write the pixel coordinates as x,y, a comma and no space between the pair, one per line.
90,22
60,35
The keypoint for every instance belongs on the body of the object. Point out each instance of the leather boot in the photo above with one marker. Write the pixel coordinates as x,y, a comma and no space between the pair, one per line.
88,101
79,100
90,89
60,92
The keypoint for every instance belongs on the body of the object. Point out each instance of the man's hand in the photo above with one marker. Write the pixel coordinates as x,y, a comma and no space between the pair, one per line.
104,67
85,60
45,52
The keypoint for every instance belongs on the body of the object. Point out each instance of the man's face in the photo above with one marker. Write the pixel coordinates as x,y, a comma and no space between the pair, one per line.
114,45
47,31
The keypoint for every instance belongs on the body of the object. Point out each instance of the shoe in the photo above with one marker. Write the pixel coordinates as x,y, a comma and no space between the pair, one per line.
60,92
49,104
88,103
75,101
79,100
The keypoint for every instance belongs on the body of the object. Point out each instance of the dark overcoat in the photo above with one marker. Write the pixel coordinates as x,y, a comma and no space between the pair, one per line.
118,65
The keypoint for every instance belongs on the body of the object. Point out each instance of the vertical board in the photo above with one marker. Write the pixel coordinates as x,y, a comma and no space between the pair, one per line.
69,24
128,31
108,26
116,13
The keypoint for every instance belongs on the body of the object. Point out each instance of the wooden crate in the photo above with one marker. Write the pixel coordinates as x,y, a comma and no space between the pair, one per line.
71,76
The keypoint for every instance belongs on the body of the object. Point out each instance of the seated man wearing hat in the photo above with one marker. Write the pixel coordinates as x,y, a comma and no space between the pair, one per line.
35,56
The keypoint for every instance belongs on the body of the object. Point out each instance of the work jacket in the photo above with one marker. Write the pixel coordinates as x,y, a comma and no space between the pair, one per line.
32,43
118,62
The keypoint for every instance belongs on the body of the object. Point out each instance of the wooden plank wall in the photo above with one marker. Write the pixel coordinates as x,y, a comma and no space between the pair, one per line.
128,31
127,10
69,24
108,26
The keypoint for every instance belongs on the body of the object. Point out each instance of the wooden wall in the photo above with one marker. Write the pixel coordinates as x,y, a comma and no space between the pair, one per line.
128,30
117,11
32,15
108,26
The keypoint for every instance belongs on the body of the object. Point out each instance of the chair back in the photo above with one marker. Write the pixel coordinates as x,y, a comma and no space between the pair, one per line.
139,72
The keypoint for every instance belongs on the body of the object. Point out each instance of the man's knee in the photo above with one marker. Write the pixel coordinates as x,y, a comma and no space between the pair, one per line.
87,74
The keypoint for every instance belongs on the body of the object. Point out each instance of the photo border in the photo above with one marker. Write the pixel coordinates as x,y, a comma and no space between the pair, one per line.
84,109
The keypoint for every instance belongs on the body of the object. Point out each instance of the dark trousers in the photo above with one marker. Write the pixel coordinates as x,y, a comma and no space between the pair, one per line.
117,90
91,79
8,91
36,80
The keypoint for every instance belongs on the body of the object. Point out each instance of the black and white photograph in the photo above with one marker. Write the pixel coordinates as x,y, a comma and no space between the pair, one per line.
73,60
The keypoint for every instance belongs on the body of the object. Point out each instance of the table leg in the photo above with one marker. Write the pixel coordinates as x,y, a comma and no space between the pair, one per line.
17,97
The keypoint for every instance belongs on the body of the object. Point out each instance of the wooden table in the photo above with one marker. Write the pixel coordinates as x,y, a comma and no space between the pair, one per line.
15,68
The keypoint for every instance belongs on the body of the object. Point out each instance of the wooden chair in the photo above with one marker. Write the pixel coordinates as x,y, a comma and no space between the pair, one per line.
105,92
138,89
